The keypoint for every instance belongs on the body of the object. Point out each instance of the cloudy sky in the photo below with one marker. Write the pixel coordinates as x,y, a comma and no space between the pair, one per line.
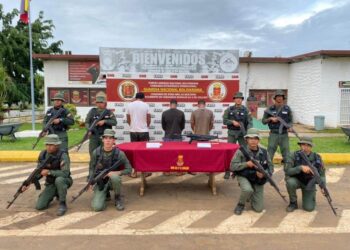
267,28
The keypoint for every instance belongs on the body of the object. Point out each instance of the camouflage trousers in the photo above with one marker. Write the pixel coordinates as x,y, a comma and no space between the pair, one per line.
308,196
251,192
98,202
58,188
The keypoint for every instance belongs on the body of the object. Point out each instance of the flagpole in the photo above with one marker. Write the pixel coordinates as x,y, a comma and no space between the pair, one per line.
31,65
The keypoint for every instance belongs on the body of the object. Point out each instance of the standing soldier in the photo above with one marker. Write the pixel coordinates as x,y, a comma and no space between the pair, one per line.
61,124
238,120
278,133
298,174
202,119
57,173
104,157
250,180
106,122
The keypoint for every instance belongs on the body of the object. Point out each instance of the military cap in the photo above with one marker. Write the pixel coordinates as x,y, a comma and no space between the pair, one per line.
100,98
238,95
52,139
252,133
306,140
58,96
279,92
109,132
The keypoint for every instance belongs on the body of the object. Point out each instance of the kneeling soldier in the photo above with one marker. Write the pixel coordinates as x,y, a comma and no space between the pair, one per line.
104,157
298,174
57,173
251,181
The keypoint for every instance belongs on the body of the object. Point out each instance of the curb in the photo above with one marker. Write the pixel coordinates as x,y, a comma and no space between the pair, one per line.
32,156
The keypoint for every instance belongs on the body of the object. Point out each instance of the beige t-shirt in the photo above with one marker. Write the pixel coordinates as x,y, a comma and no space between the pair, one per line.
203,120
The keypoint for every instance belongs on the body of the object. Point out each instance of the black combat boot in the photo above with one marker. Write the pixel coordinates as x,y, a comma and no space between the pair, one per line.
227,175
108,196
239,209
62,208
119,202
292,206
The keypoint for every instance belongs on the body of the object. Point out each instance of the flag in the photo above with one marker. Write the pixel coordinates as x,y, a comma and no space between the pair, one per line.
24,11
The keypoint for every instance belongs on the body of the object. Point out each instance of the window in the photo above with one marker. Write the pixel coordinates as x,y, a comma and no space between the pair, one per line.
81,97
264,97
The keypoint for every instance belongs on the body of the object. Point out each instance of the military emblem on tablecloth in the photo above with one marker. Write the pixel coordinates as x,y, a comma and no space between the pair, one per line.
217,91
180,160
180,164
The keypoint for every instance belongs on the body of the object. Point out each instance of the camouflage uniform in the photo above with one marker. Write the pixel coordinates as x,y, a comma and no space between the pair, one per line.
60,129
109,119
252,187
101,160
239,114
278,137
58,180
296,179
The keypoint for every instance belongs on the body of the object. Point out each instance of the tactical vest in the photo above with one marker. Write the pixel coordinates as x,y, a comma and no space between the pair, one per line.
105,162
250,173
284,113
303,177
60,126
238,114
55,164
94,116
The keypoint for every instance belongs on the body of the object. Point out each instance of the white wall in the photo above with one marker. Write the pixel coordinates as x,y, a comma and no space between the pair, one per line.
264,75
333,71
304,90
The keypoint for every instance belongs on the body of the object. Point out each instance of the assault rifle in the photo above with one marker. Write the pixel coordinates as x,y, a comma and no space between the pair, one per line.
241,125
32,178
48,126
260,169
283,124
92,128
317,180
196,137
96,179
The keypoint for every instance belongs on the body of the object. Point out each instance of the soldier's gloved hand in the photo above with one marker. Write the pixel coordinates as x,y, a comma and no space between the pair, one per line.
236,124
25,188
45,172
56,121
273,119
306,169
250,164
101,123
260,175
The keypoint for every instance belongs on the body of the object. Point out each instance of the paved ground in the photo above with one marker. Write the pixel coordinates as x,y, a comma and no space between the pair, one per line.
176,212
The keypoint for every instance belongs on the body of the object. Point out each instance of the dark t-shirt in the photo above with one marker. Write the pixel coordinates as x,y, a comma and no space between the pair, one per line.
173,122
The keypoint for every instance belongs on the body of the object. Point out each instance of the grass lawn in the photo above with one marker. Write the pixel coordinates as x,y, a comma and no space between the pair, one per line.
75,135
322,144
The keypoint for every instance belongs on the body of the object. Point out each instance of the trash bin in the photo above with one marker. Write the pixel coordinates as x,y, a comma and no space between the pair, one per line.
319,122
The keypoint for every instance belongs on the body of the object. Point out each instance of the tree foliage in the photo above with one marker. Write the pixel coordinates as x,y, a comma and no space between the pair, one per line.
14,51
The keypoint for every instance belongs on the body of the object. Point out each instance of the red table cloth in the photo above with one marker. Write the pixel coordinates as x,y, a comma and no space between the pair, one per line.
179,157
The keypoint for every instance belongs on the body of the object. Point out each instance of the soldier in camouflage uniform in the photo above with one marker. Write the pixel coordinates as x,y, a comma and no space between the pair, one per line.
107,122
250,181
298,174
57,173
104,157
278,135
62,123
234,117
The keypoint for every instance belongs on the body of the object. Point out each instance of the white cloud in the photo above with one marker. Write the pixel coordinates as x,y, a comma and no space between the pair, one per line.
300,17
